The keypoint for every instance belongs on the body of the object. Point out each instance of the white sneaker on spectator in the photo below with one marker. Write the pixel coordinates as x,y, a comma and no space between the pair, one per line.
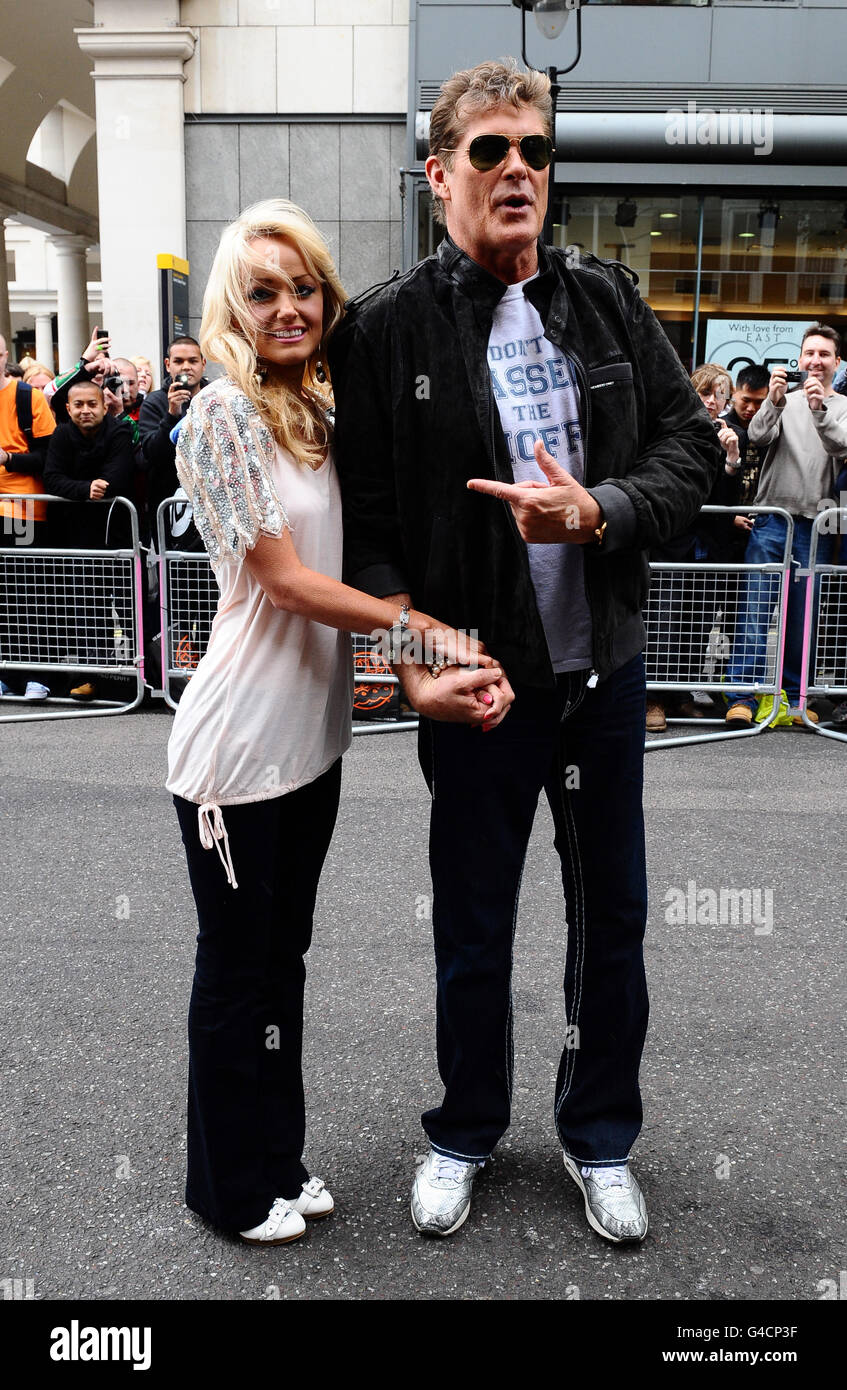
36,691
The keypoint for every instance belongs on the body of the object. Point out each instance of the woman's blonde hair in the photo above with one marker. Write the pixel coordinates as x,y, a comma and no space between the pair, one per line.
33,368
228,331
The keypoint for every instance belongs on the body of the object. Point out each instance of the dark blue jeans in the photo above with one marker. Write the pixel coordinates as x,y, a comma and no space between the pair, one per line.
749,653
246,1112
585,748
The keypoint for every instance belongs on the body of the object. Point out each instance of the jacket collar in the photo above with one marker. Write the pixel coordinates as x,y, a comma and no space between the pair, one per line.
478,284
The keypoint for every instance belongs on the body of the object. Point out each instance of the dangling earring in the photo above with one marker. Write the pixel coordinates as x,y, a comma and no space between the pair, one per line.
320,372
260,376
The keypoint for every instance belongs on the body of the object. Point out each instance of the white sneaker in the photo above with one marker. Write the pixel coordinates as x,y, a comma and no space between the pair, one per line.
315,1200
282,1224
36,691
441,1195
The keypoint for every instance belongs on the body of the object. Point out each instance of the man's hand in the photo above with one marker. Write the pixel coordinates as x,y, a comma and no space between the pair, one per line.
4,458
459,695
813,387
728,441
98,347
778,386
744,523
178,398
557,511
98,489
114,404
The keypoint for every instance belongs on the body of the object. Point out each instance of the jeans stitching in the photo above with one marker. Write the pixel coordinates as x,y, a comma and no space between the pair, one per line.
579,930
510,1050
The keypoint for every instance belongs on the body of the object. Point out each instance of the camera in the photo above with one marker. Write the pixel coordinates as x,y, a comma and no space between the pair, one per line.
113,384
795,378
183,379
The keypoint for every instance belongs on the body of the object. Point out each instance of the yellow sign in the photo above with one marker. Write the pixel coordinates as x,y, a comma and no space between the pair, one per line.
165,262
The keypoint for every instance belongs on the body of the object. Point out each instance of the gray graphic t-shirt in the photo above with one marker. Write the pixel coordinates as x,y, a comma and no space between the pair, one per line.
538,398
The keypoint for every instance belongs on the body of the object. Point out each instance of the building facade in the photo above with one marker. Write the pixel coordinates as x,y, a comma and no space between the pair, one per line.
702,144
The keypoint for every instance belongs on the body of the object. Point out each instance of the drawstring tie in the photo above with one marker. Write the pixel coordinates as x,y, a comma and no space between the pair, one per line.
212,831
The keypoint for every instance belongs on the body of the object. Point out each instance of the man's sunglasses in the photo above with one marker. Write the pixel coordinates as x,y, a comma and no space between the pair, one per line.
487,151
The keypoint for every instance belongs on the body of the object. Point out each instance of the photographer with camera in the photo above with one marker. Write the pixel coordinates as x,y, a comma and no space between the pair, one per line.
803,424
162,410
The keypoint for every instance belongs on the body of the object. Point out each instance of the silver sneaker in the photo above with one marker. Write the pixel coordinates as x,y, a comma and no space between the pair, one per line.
441,1195
614,1203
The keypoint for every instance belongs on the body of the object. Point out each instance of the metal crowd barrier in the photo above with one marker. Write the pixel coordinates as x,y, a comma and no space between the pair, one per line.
691,617
824,671
694,618
188,597
68,611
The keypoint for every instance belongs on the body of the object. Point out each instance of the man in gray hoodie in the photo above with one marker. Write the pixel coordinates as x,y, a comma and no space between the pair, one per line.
805,432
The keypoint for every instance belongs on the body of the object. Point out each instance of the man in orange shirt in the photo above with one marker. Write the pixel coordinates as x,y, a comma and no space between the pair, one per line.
26,423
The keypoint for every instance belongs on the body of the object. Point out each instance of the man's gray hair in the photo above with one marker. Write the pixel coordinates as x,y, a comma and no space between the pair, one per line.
476,90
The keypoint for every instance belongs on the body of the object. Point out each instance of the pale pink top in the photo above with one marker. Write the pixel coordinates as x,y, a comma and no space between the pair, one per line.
269,707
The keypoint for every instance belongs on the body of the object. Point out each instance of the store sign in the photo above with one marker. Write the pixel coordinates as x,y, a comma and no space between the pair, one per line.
737,343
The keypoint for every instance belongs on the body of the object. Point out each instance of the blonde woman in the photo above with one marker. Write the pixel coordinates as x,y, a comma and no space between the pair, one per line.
145,374
37,374
255,753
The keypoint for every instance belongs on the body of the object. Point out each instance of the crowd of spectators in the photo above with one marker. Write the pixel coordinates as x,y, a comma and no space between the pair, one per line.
101,430
784,441
96,432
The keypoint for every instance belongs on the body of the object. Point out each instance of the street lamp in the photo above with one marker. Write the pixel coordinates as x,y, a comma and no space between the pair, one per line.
551,16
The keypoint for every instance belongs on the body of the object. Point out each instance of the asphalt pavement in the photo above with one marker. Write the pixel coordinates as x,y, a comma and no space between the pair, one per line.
742,1153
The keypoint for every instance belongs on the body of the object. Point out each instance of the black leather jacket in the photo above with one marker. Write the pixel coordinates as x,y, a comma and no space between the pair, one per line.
416,417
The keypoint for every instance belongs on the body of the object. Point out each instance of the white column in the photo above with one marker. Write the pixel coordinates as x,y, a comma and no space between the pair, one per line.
138,76
72,297
5,313
44,339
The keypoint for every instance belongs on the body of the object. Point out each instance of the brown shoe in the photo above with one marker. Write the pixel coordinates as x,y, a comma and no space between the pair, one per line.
656,721
86,691
689,709
810,715
739,714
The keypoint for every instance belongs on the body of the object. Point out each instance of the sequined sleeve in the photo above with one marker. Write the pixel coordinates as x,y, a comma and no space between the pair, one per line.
223,460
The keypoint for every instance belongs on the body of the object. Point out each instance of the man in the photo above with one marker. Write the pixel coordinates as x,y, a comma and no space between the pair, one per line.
132,399
162,410
90,458
497,367
805,434
26,425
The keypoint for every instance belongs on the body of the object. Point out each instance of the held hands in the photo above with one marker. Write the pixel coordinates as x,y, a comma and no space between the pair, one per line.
460,695
560,510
